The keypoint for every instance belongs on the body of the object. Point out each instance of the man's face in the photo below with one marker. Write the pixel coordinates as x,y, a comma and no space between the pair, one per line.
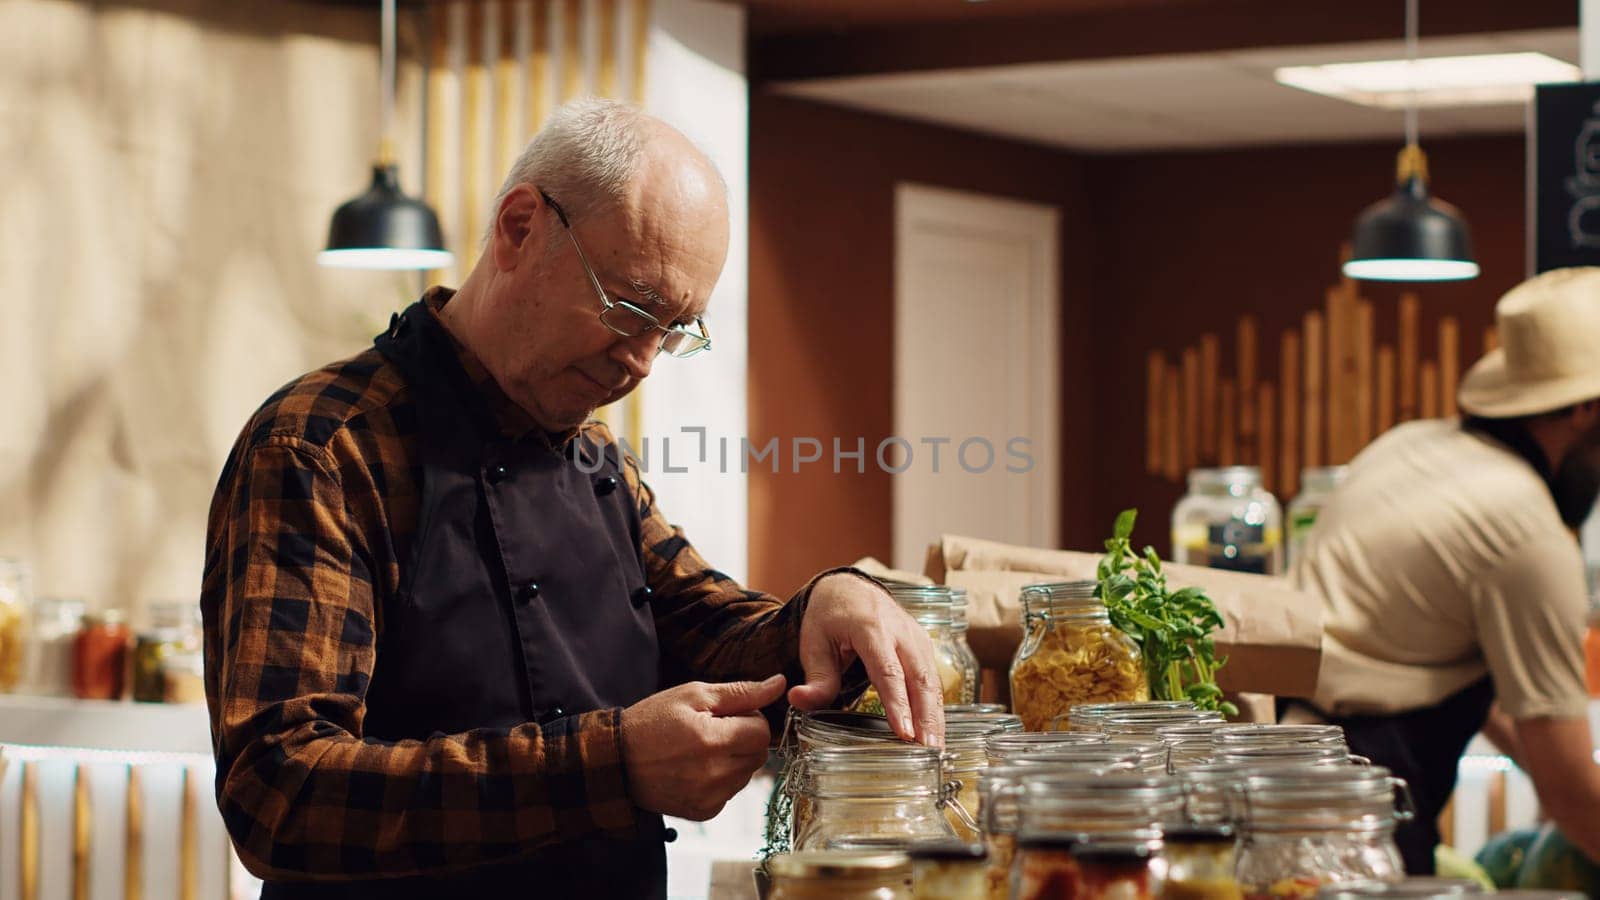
544,341
1576,480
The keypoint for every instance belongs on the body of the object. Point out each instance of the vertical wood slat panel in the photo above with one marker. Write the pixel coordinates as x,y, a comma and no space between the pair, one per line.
607,77
1248,356
188,836
1289,396
1430,390
571,49
435,166
1449,364
1333,316
1491,340
1385,389
82,829
1311,450
1266,435
1210,356
1172,424
473,125
1191,408
507,70
1410,311
641,47
1227,423
1155,373
538,79
1363,376
133,842
28,834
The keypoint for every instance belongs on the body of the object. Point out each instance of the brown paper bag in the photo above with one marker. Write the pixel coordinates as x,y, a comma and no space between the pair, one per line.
1272,633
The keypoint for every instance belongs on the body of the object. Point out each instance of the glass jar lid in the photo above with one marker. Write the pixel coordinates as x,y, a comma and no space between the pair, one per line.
823,864
1149,722
1007,722
1352,798
929,604
1095,804
1002,746
1233,481
836,728
1312,754
1063,600
1256,735
112,616
965,709
1321,479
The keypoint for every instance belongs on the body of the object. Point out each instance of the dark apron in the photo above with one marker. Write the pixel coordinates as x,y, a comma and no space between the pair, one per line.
1424,747
521,601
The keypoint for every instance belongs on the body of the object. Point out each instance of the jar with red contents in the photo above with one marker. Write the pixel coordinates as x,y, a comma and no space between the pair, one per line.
100,656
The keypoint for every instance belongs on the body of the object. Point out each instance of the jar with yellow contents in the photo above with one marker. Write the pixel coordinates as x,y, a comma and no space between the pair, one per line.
1071,655
932,607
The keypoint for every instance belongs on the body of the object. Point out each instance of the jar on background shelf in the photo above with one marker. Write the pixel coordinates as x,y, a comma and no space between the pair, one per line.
1316,486
174,629
1229,520
15,607
56,623
100,656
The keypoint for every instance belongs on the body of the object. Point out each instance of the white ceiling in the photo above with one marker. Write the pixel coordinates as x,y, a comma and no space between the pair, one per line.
1176,102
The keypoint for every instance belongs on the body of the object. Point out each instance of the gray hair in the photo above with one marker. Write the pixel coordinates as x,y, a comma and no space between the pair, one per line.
585,156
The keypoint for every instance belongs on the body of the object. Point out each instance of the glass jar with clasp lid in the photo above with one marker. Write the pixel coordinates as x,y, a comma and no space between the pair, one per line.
882,791
1146,724
972,670
1229,520
840,876
1088,716
1306,827
1187,745
1071,655
1316,487
1001,787
966,756
933,608
1062,815
1231,737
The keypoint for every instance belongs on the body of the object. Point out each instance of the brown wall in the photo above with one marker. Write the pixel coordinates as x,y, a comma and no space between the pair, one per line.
1190,242
822,308
1156,249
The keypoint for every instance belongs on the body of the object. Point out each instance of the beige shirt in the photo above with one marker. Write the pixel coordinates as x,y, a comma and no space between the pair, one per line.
1439,559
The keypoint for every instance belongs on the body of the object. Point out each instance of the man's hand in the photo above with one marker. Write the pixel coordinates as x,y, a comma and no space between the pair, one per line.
689,749
849,617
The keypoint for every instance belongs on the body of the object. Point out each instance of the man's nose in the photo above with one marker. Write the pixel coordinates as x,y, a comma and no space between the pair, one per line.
638,354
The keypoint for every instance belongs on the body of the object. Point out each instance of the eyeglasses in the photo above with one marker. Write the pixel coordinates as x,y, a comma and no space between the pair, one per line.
627,319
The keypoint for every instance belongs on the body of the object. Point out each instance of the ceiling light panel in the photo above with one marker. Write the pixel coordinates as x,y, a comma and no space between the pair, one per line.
1477,80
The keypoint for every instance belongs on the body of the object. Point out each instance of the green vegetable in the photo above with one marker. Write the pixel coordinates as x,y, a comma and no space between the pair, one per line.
1172,628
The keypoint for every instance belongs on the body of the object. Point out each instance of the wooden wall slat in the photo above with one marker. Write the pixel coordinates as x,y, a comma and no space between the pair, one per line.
1430,390
1410,312
1210,358
1266,435
1228,424
1155,382
439,81
1334,320
1311,450
1248,358
538,65
606,14
1289,394
1363,390
1449,364
1172,423
571,50
641,45
1385,390
507,80
1191,408
474,181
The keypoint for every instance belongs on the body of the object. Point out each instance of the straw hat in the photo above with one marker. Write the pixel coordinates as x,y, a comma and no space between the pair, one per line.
1549,354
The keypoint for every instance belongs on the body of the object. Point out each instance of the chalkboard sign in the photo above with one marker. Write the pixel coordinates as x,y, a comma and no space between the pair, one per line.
1566,159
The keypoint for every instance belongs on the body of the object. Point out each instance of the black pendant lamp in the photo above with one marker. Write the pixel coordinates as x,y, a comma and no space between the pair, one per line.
383,228
1411,236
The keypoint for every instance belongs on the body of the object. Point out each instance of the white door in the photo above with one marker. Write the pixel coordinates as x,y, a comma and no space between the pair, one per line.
977,374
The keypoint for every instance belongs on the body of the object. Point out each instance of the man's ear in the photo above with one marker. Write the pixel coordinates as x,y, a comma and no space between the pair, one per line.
518,227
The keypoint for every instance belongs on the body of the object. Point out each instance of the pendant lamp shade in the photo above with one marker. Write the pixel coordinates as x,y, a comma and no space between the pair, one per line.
1410,235
385,229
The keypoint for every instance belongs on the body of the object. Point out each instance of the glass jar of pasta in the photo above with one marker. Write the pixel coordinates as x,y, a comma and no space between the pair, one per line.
931,606
882,791
1071,654
1310,826
840,876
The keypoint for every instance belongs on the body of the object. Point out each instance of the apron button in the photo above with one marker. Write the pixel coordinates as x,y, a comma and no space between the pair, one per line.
641,596
529,592
605,485
496,474
668,835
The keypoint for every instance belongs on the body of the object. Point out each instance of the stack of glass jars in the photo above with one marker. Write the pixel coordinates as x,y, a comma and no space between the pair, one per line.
933,608
1229,520
1071,655
1306,827
1316,486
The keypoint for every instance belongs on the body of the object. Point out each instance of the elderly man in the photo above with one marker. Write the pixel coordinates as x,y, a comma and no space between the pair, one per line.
450,635
1451,580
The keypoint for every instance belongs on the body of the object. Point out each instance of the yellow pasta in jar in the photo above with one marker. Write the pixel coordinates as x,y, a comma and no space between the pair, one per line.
1071,654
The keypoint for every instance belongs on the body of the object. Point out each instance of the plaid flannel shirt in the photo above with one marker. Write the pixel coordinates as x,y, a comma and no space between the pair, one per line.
309,528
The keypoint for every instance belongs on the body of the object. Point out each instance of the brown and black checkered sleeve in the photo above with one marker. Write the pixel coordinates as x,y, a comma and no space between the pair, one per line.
312,513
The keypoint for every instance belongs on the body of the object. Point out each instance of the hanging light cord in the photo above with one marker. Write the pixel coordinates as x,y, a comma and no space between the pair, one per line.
386,63
1411,72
